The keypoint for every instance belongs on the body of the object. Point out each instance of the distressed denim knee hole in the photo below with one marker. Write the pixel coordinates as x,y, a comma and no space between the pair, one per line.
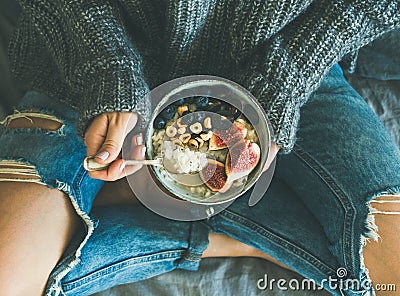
16,171
386,204
32,120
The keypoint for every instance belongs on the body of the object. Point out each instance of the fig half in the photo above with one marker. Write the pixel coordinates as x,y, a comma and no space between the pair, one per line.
214,176
242,158
222,139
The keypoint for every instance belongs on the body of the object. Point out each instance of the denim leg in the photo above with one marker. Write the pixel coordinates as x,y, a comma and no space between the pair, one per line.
343,158
343,143
130,244
50,157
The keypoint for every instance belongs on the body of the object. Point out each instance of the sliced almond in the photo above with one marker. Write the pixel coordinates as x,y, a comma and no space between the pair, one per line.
182,109
171,131
184,138
194,143
196,128
206,136
182,130
200,141
207,123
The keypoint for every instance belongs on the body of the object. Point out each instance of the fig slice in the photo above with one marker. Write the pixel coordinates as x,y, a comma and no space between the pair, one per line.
222,139
242,158
214,176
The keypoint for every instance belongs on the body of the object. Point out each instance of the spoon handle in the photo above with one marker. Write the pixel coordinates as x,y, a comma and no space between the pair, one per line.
90,164
156,161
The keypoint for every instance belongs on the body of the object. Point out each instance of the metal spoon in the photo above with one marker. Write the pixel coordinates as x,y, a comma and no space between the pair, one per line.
189,179
90,164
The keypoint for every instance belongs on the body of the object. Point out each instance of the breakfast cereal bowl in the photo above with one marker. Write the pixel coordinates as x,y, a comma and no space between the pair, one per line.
213,133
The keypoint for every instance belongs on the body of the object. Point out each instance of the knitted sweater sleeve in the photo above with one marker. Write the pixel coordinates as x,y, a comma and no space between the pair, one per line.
290,66
90,49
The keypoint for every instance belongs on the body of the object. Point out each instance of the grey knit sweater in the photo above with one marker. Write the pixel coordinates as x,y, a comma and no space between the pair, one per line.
105,55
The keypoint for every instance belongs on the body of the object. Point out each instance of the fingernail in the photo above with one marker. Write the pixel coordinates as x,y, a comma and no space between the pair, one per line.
143,152
122,167
103,155
139,139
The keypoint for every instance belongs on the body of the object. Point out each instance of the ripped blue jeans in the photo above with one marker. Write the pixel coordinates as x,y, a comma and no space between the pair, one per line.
315,217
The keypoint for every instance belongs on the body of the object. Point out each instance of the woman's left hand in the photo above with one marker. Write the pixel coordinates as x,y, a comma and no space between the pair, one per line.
104,139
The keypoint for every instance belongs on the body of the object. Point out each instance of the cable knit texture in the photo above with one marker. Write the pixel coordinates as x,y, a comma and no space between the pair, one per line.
102,56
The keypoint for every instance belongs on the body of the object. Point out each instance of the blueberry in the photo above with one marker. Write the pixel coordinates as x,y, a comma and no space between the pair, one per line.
209,108
215,103
168,112
228,114
202,102
159,123
226,106
179,102
185,113
190,100
233,112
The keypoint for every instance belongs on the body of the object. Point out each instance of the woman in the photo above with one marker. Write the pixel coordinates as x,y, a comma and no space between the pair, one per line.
90,64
